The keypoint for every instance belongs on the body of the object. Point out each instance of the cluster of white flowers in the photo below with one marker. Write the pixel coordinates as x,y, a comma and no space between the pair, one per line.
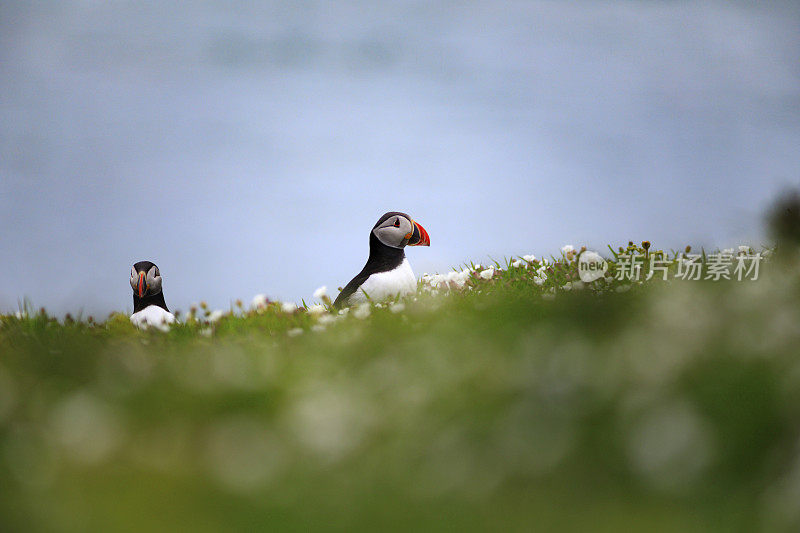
318,311
540,276
456,279
525,262
488,273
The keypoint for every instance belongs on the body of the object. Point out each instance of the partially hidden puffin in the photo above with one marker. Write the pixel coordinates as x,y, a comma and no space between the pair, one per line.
387,272
149,307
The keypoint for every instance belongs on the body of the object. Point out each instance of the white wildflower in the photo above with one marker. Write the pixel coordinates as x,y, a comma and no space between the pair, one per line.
516,263
451,280
321,293
288,307
215,315
567,248
529,258
259,301
567,286
539,280
460,278
362,311
744,249
488,273
397,308
316,310
294,332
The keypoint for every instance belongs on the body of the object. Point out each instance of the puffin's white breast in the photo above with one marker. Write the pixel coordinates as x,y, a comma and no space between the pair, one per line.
383,285
153,315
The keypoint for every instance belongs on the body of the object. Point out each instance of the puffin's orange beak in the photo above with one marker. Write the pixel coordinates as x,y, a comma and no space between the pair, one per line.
419,237
141,286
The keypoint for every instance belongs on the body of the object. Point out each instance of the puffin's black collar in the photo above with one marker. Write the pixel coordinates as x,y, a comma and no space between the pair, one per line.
382,258
147,300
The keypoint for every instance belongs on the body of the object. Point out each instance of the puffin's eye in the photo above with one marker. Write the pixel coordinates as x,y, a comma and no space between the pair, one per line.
397,223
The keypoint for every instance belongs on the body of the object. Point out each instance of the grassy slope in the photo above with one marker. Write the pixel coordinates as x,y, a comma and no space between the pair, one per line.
666,407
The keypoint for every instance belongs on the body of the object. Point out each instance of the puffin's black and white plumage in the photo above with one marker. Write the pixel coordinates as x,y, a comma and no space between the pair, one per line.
149,306
387,272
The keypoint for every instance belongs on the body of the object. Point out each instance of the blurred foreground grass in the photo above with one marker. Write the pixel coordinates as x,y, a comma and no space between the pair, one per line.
509,405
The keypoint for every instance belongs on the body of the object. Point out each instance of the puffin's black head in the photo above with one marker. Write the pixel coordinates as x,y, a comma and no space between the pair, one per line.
145,279
399,230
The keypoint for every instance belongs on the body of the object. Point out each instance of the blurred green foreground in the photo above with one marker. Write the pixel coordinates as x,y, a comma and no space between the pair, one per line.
510,406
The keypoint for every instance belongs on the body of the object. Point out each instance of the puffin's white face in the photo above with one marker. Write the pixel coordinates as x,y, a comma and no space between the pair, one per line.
398,231
144,283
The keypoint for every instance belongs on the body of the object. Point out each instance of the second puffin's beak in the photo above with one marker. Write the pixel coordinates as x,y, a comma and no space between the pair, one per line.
141,286
419,237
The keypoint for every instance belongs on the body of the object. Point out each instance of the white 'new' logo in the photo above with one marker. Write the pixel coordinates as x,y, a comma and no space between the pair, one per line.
591,266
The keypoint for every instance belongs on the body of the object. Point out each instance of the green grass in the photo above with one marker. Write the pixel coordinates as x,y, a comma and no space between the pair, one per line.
505,405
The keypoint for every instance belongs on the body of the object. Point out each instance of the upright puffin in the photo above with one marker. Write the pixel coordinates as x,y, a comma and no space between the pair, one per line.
149,307
387,272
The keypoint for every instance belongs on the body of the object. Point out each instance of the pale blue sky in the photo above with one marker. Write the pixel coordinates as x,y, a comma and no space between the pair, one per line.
249,147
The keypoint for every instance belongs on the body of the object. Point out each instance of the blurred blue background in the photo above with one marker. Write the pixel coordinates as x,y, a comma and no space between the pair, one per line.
249,147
